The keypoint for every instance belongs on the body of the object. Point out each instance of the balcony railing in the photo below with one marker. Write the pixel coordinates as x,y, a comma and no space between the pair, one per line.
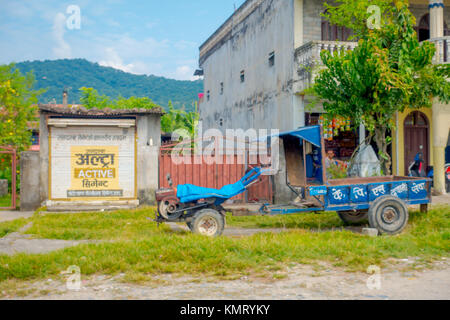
308,62
442,49
307,59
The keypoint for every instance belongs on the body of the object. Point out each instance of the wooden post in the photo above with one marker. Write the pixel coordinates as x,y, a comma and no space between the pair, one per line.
324,169
424,208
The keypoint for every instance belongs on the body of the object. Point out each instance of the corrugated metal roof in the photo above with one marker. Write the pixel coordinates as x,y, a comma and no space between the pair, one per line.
77,110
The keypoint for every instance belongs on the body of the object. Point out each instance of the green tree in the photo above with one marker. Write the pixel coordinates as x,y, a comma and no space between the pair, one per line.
90,98
17,107
57,74
171,121
387,72
179,119
135,103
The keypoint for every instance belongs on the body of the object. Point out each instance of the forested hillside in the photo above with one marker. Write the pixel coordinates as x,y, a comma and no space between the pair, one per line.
55,75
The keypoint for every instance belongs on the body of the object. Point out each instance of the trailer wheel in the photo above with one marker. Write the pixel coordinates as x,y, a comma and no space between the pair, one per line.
389,215
353,217
208,222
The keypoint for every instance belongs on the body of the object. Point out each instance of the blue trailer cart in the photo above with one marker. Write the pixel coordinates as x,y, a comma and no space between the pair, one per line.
382,201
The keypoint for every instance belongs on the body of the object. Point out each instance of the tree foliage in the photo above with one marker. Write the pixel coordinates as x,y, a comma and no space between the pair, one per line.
354,15
386,73
56,75
90,98
17,107
179,119
171,121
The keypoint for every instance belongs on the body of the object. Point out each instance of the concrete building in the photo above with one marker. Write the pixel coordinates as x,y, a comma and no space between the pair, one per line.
98,159
257,64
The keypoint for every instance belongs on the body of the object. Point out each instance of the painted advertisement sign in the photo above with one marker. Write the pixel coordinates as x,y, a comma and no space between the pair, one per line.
97,165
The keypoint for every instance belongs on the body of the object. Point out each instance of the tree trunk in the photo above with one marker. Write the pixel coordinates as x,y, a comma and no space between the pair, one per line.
382,145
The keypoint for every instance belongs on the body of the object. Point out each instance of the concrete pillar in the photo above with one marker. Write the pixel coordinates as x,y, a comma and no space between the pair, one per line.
298,23
440,112
441,130
436,18
362,134
149,142
29,181
4,187
44,157
282,193
298,112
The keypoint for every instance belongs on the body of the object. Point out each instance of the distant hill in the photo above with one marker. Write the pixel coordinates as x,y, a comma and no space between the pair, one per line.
76,73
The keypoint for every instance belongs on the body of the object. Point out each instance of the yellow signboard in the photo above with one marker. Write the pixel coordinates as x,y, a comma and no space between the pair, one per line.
92,163
94,171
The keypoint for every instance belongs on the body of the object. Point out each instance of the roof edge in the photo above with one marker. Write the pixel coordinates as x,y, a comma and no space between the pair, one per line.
242,12
83,111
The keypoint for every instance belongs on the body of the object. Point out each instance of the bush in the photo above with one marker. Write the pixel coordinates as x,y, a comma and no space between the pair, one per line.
337,172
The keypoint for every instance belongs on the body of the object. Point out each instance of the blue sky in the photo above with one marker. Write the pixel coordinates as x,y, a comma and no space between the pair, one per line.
141,37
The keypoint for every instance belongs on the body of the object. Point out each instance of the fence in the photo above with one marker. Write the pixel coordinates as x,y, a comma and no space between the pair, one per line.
11,151
213,175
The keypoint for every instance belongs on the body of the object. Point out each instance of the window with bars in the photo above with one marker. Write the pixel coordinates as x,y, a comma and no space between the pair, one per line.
272,59
334,33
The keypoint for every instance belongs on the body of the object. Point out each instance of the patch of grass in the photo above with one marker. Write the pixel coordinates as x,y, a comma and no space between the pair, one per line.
14,288
11,226
143,279
308,221
117,225
5,201
278,276
158,252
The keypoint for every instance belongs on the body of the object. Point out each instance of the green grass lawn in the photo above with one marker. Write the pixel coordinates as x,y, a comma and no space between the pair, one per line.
5,201
11,226
327,220
140,249
117,225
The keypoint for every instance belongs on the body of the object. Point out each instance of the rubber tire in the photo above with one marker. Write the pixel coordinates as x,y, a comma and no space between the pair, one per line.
349,217
220,220
376,219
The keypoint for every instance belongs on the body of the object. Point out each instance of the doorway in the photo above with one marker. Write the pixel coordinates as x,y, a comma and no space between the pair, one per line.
423,28
417,139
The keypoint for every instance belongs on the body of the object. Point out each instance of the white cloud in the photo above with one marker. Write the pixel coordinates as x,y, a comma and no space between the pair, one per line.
113,60
184,73
147,56
103,38
62,49
112,23
151,24
184,45
17,10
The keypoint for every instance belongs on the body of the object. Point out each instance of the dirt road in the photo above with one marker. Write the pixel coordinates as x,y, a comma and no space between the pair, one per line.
301,283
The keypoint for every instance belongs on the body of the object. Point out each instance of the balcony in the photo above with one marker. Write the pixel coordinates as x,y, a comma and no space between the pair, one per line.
308,62
442,49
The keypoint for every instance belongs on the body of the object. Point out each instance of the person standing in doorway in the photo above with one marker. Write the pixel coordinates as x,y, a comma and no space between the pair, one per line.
416,167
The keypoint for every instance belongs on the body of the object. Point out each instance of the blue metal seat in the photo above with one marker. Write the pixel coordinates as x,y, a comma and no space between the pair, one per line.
190,193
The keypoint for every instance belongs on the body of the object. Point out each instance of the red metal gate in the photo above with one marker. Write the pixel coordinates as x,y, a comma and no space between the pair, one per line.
213,176
12,152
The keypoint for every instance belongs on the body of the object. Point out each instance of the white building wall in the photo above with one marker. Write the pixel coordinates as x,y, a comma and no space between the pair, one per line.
265,99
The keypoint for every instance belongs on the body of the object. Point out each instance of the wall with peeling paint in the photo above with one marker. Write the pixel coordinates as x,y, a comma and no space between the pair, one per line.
265,99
